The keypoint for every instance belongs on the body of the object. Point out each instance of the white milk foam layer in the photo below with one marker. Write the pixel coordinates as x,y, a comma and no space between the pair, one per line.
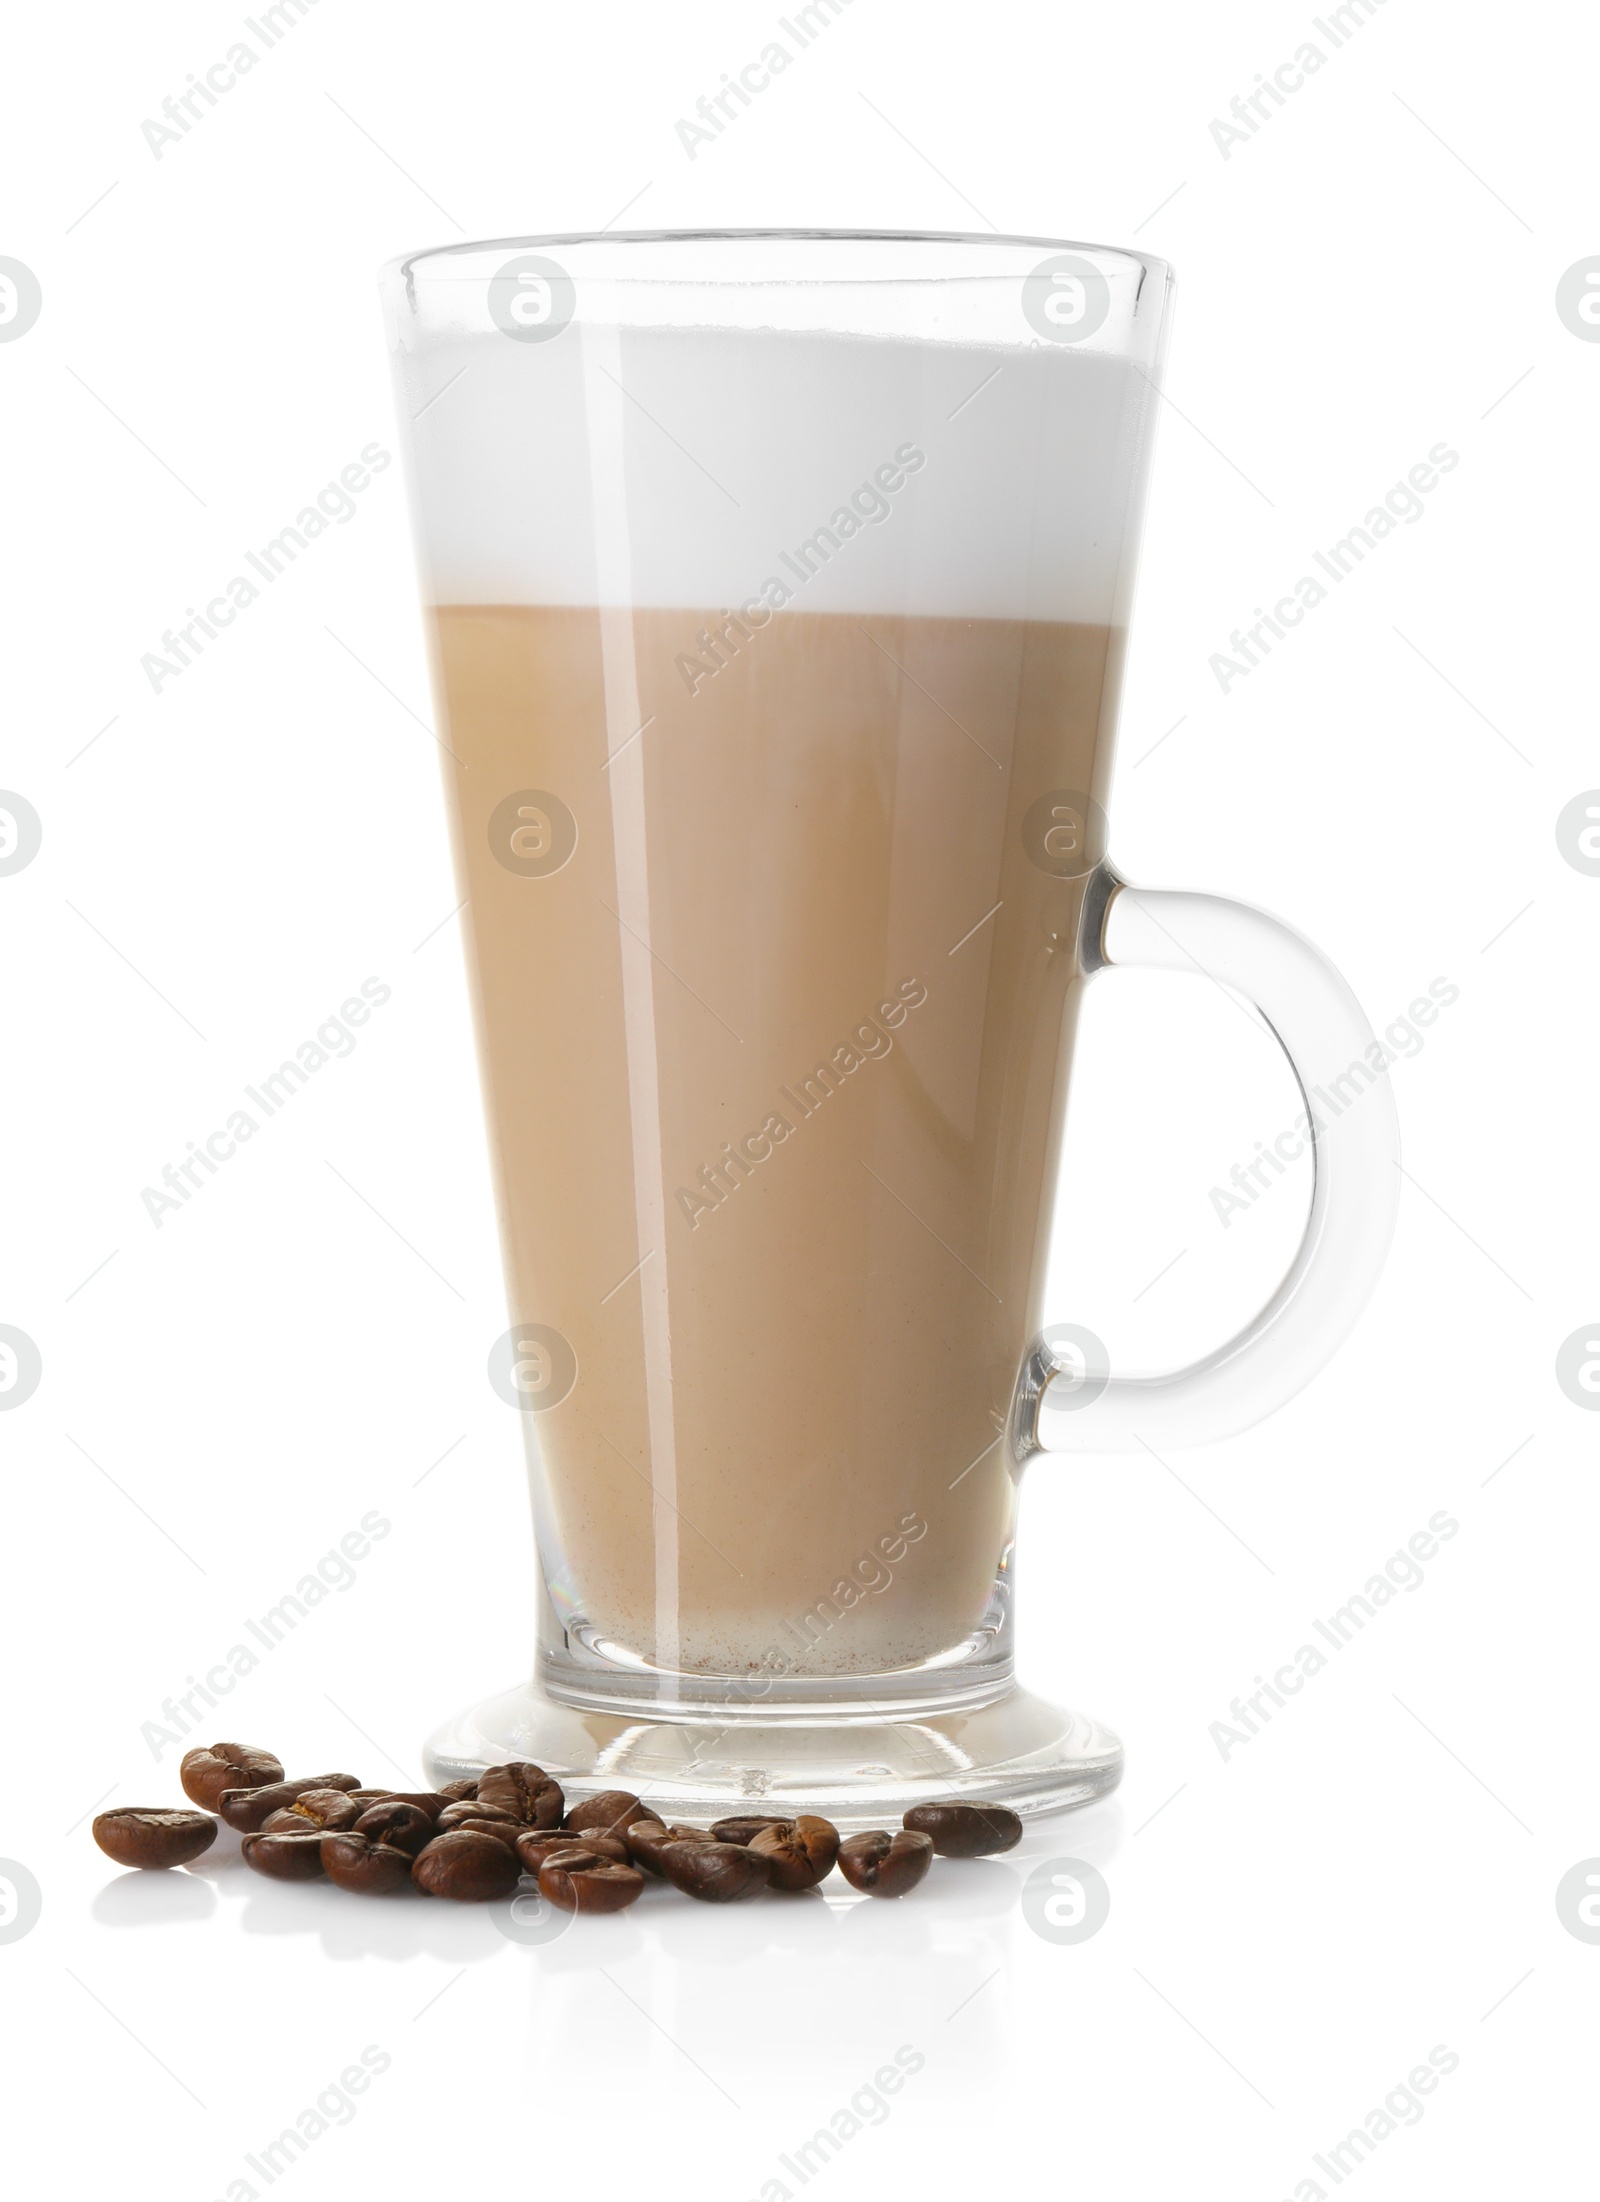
858,475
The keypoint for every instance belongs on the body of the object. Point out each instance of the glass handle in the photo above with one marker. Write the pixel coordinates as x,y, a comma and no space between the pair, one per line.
1064,1403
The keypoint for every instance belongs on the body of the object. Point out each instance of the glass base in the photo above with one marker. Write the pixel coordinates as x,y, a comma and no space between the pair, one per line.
855,1768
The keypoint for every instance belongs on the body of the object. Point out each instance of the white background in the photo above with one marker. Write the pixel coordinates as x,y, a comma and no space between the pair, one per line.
1293,1928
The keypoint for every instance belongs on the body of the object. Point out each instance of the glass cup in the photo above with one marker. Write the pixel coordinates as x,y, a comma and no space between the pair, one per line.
777,588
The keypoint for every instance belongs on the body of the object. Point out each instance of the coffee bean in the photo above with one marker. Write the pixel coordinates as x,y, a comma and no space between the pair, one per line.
535,1844
503,1831
327,1810
361,1798
248,1809
584,1879
886,1865
646,1838
149,1835
454,1790
355,1862
205,1773
526,1791
718,1873
463,1809
397,1825
470,1867
283,1822
430,1801
799,1853
741,1830
612,1812
285,1857
963,1830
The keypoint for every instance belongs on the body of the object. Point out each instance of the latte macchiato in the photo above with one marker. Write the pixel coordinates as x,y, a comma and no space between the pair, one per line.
777,737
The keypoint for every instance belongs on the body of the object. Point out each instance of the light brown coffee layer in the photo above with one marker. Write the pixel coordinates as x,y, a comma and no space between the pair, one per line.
778,1044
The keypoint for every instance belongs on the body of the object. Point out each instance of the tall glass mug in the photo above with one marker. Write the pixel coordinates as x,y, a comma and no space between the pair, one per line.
777,589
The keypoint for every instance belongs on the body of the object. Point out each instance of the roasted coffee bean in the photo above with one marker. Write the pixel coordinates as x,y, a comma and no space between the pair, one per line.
207,1772
741,1830
462,1809
327,1810
886,1865
645,1839
431,1801
612,1812
526,1791
472,1868
455,1790
582,1878
285,1857
249,1809
352,1861
150,1835
361,1798
535,1844
718,1873
799,1853
397,1825
503,1831
961,1830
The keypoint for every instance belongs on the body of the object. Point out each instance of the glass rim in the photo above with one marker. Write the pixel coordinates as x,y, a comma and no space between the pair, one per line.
405,265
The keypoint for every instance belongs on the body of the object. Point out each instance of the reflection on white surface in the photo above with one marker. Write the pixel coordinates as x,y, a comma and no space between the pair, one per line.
783,2018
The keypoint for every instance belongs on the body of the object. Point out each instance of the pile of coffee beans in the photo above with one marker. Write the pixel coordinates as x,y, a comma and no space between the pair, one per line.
474,1840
